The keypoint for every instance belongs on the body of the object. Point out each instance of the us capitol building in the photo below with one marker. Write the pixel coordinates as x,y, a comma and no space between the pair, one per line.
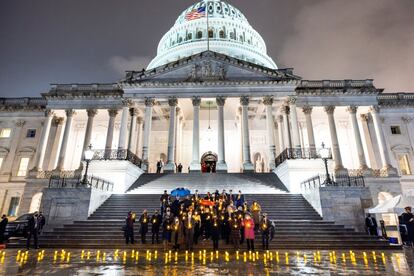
211,96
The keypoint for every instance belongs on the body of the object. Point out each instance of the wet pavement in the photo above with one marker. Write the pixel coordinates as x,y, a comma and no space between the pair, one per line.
119,262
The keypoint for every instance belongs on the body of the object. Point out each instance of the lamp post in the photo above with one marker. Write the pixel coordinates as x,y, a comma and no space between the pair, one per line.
325,155
88,157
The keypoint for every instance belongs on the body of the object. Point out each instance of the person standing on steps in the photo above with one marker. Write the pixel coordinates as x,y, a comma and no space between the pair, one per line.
256,209
215,232
180,168
42,222
265,228
156,220
3,225
167,228
33,230
235,231
129,228
159,166
248,224
239,199
189,230
371,224
144,220
408,220
164,201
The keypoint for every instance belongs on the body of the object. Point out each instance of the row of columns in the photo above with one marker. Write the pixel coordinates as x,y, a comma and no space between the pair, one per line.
288,138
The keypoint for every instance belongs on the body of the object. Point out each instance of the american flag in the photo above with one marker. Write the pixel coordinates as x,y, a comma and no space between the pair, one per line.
196,14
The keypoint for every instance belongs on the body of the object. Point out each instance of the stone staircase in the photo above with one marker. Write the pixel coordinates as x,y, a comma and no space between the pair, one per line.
298,226
248,183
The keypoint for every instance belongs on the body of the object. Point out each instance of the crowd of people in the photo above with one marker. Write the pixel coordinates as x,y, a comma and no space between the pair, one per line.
183,222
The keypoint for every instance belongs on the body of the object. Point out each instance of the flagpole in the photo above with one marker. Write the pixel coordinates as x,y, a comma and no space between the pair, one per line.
208,34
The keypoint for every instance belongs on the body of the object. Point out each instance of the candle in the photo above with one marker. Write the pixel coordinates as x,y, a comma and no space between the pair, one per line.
154,221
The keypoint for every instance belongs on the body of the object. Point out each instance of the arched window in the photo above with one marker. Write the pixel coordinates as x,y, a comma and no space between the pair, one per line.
222,34
241,38
180,39
199,34
189,36
232,35
210,33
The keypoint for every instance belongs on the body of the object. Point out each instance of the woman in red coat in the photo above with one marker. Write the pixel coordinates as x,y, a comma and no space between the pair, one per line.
248,224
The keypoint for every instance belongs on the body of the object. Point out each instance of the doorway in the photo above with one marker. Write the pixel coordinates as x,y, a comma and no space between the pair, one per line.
208,162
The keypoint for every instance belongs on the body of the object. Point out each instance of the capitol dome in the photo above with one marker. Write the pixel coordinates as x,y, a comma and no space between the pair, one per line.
229,33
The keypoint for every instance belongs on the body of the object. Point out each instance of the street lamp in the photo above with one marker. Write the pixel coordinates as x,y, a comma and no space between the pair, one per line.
88,157
325,155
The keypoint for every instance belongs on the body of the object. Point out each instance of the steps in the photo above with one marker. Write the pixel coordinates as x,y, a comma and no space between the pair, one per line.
298,226
248,183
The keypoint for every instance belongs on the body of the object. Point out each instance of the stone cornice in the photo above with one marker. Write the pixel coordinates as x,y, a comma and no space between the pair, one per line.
337,87
389,100
23,104
83,91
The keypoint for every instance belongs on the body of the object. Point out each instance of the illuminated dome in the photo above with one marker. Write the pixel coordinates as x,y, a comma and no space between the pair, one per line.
229,33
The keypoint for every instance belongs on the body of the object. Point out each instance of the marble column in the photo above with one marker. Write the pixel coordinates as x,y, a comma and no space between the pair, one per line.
110,133
89,126
139,134
65,140
387,168
149,103
123,131
170,166
334,139
280,134
307,110
41,151
132,129
221,163
52,153
268,102
286,132
294,123
195,165
247,163
362,163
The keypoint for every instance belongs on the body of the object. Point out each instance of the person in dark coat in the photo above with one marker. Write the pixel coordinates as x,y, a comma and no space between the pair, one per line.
42,222
371,224
143,230
265,228
3,225
159,166
180,168
408,219
215,232
129,228
239,199
33,230
197,226
188,224
175,206
235,227
156,221
166,228
164,200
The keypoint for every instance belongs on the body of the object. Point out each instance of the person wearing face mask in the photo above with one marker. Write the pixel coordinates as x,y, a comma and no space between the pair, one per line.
265,228
144,220
248,225
167,228
188,224
33,230
177,233
155,226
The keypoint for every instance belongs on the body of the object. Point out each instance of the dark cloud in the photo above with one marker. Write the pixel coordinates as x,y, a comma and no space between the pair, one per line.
49,41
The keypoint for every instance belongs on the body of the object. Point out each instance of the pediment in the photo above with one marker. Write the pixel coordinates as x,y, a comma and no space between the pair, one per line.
209,66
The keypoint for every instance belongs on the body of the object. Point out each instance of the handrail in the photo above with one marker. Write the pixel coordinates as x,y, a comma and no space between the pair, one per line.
299,153
120,154
76,182
341,180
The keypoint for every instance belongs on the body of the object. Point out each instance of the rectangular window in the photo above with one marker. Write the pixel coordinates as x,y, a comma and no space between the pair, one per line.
14,204
31,133
24,164
404,164
5,132
395,130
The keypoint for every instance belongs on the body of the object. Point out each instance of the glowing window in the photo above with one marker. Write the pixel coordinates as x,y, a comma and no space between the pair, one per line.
14,204
5,132
210,33
199,34
1,161
24,164
221,34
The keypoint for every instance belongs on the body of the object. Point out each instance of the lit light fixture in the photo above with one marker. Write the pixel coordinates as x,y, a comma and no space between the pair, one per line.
325,154
88,155
209,130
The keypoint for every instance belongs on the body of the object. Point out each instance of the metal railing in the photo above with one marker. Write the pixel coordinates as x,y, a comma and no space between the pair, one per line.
341,180
76,182
299,153
117,155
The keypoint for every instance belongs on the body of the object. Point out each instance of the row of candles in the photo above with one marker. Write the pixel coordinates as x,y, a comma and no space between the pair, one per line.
64,256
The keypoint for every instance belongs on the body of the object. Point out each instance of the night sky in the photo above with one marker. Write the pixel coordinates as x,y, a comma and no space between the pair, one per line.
89,41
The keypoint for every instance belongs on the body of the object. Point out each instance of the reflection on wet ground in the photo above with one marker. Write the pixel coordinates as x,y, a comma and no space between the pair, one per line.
119,262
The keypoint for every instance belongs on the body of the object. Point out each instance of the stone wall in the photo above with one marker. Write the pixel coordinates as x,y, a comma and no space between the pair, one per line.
345,205
383,188
33,186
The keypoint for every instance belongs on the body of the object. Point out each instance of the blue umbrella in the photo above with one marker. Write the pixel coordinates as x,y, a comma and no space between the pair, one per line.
180,192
